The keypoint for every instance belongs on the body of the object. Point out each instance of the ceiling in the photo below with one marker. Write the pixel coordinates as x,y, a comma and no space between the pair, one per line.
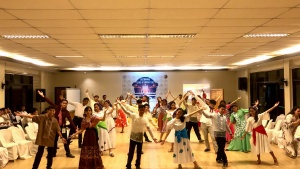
74,26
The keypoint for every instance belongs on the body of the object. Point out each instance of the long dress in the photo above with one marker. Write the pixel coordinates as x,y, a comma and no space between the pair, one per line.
238,144
90,154
104,140
261,143
182,149
111,128
121,120
290,144
171,136
161,113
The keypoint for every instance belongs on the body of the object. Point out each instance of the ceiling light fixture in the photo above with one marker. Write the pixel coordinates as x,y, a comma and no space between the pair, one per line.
142,36
145,56
220,55
293,49
265,35
253,60
25,36
68,56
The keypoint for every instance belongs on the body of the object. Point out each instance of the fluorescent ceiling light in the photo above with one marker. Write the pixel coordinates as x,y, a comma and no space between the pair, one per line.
252,60
25,36
293,49
265,35
145,56
143,36
220,55
68,56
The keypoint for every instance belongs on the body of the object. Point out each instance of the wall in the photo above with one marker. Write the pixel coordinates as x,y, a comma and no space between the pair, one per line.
110,83
245,95
2,80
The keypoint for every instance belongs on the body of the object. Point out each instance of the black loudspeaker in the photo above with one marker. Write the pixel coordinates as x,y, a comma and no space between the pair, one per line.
242,83
38,98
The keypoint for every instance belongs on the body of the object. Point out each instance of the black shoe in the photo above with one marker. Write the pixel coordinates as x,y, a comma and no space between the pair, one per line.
206,150
142,152
225,165
138,167
57,147
70,156
201,141
219,161
148,141
80,146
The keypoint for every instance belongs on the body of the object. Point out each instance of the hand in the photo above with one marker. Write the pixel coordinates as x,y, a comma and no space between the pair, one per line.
41,93
276,104
61,97
256,102
87,91
239,98
155,140
64,140
162,142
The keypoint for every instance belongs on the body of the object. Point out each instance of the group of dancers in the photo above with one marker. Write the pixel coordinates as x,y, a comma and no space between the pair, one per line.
174,121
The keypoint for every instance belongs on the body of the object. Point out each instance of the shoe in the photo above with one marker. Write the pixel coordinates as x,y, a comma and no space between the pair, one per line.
225,165
70,156
122,132
206,150
148,141
142,152
111,154
57,147
179,166
201,141
219,161
226,149
138,167
170,151
197,167
80,146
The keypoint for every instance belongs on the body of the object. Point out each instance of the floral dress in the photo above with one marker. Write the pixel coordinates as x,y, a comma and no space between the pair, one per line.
290,144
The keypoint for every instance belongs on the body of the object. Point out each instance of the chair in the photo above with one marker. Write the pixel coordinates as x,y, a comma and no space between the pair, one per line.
6,141
265,123
270,124
3,157
24,146
32,137
2,119
271,132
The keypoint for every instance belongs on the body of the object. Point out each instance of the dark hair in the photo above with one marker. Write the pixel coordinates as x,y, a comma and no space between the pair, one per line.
193,99
86,99
146,105
139,101
51,107
62,100
99,105
141,106
33,110
223,101
182,115
222,106
96,96
212,102
164,100
293,110
256,113
170,103
87,109
107,101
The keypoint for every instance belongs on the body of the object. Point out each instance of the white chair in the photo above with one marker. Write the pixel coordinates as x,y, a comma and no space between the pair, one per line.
24,146
270,124
271,132
3,157
32,137
2,119
6,141
265,123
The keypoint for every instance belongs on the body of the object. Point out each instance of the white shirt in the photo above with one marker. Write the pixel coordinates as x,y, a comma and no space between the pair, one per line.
219,122
79,108
138,126
203,119
297,133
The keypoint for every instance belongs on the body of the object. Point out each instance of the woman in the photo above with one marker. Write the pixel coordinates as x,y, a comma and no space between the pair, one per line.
238,118
104,140
182,149
90,155
161,113
110,123
121,120
290,124
259,143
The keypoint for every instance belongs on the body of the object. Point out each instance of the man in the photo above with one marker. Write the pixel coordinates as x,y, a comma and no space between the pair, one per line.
48,128
79,110
93,101
136,136
148,115
206,123
104,98
61,113
193,120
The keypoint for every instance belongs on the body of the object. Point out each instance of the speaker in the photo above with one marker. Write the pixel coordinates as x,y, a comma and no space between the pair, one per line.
242,83
38,98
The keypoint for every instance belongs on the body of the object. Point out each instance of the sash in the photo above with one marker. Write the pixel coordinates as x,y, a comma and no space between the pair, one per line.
181,134
260,129
102,124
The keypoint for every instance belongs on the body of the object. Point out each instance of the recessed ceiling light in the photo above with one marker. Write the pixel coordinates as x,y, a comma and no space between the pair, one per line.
68,56
265,35
220,55
25,36
252,60
142,36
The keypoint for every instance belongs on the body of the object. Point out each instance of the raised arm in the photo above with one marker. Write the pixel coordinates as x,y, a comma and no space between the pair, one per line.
235,101
24,115
124,109
270,109
87,94
194,112
46,99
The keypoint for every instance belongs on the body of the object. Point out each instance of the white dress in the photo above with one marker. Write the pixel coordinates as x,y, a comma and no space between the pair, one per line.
104,140
171,136
262,143
182,149
111,127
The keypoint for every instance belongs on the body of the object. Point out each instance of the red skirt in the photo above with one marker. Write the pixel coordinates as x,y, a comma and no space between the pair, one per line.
121,120
90,154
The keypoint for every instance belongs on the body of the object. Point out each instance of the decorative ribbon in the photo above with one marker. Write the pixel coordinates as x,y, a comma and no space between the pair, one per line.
260,129
181,134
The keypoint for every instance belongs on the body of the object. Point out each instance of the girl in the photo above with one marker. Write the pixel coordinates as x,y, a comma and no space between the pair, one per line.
121,120
110,123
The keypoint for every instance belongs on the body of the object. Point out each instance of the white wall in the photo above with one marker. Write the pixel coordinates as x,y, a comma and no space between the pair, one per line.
110,83
245,95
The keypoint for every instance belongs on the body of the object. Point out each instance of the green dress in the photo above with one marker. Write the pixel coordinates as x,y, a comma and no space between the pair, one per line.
238,144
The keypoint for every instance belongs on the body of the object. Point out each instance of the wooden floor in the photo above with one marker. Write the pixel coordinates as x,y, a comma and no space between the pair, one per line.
157,157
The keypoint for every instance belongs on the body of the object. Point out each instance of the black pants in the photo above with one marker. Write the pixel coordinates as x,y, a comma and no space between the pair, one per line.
189,126
221,141
132,145
77,121
146,137
66,146
39,155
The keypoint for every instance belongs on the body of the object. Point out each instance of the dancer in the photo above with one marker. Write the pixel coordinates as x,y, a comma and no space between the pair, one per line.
48,128
121,120
260,143
136,136
182,149
148,115
290,124
220,127
104,139
90,156
110,123
161,113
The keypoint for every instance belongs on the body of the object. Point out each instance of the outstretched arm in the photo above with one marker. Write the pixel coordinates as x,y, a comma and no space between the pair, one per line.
24,115
235,101
46,99
270,109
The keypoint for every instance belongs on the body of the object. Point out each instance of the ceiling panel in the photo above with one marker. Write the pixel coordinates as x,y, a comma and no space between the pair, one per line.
65,31
277,29
283,22
75,36
120,30
250,13
236,22
292,13
182,13
116,4
45,14
5,15
226,30
117,23
57,23
187,4
261,4
19,31
34,4
172,30
12,23
115,14
177,23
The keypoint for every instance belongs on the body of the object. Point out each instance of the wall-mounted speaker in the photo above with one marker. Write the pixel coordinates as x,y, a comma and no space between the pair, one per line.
38,98
242,83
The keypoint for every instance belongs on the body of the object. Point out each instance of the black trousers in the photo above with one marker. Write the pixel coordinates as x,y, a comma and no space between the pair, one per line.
221,155
189,126
132,145
77,121
39,156
66,146
146,137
